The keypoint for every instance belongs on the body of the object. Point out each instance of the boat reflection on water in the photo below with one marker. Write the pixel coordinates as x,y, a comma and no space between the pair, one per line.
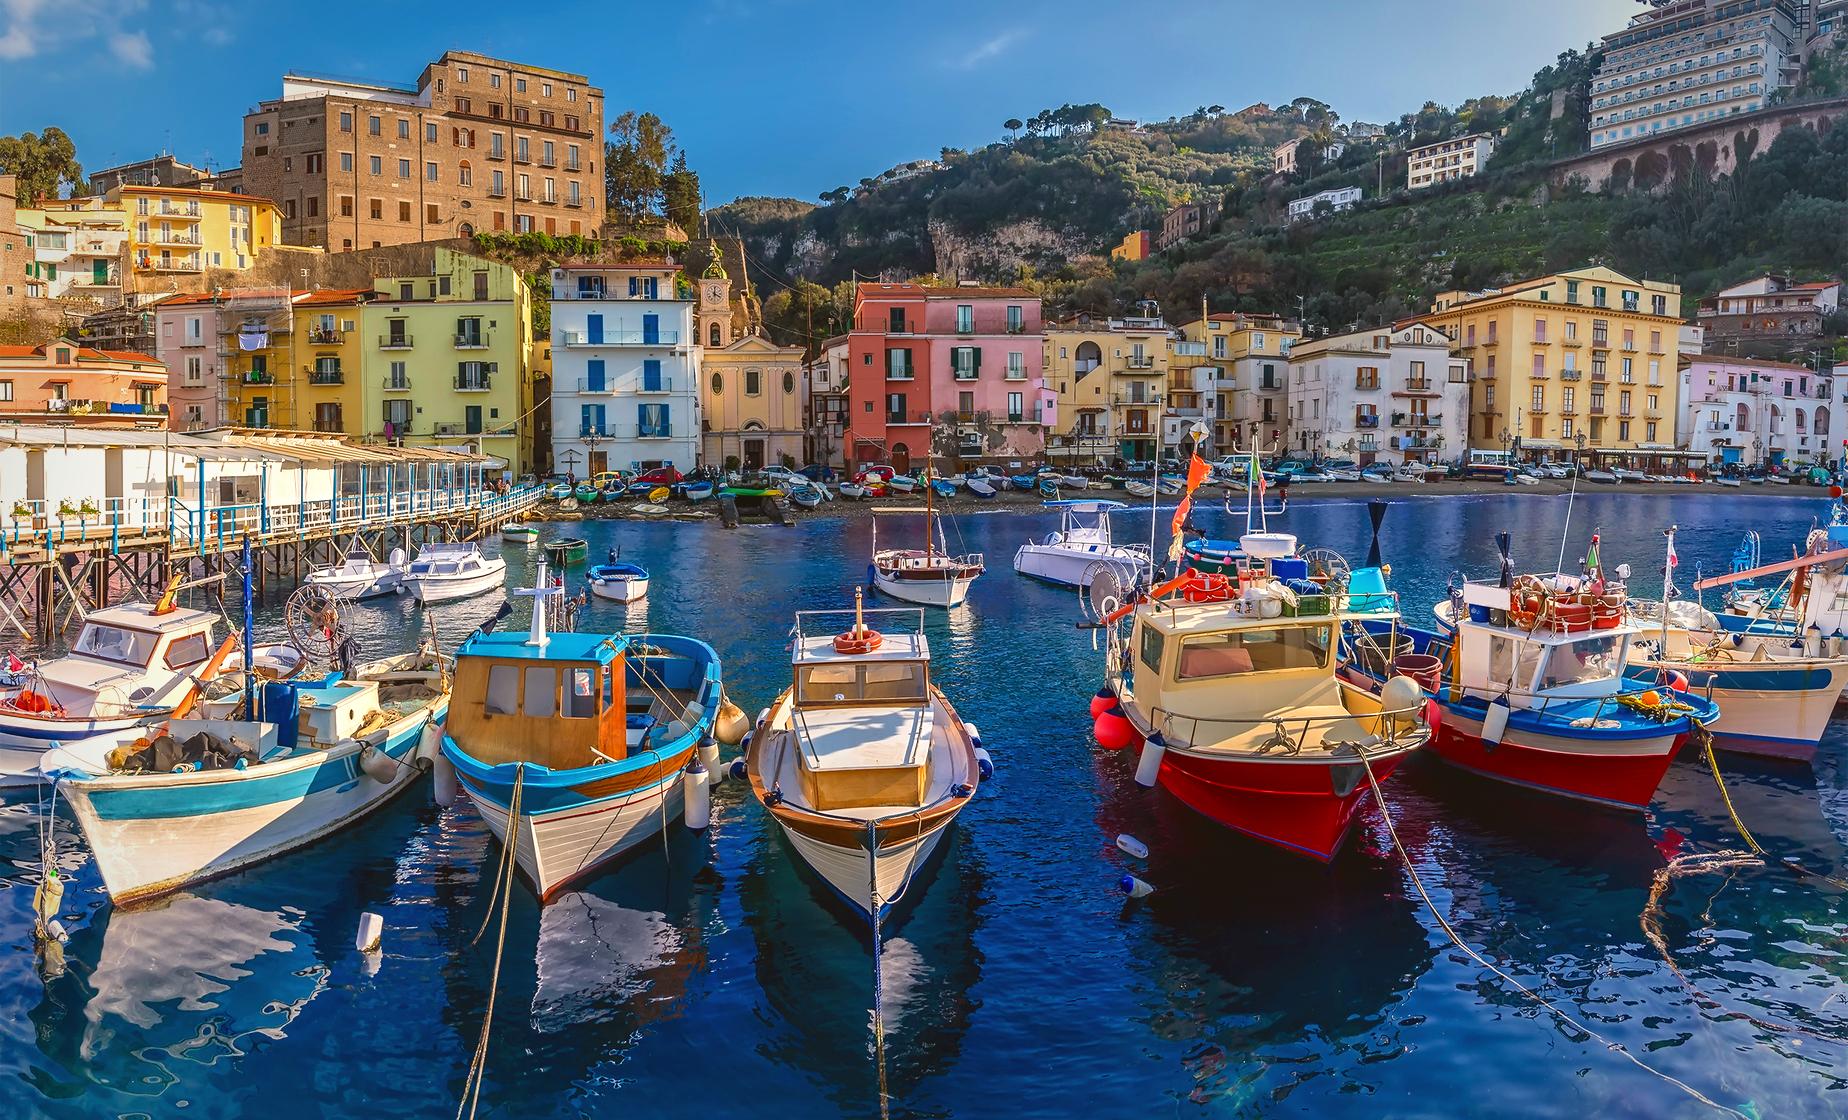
601,962
1253,955
189,979
814,964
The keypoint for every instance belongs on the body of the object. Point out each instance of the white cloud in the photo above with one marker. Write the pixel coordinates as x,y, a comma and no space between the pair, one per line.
132,49
36,28
992,47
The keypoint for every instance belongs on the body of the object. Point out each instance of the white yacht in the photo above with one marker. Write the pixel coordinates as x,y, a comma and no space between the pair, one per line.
1082,547
362,577
443,572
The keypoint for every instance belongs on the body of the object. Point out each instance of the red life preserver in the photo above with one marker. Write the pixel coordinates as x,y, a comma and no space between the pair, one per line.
858,641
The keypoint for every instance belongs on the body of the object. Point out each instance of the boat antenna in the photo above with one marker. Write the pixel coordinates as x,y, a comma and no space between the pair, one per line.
541,589
1155,488
1566,530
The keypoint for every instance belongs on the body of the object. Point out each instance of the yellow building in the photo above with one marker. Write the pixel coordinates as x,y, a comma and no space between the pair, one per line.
1110,375
291,360
753,395
1133,247
1589,352
447,359
184,230
1251,357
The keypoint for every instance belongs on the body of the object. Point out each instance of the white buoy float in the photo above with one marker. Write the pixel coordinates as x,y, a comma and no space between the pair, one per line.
379,766
698,789
1495,721
1134,887
1149,765
975,732
430,743
1129,845
984,763
709,758
443,776
371,932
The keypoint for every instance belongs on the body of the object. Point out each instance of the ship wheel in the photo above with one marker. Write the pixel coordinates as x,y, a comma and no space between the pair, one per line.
1328,567
316,625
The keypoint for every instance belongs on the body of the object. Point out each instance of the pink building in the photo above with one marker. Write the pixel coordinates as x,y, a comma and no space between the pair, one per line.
977,352
1750,413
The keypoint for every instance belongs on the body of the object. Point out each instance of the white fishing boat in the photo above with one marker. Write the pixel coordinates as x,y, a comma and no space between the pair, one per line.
617,581
362,577
203,797
1139,489
928,575
573,747
443,572
131,666
1081,547
518,532
862,761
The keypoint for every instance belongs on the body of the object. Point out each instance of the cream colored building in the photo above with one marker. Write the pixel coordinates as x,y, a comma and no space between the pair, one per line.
1110,376
1588,352
1251,356
1448,159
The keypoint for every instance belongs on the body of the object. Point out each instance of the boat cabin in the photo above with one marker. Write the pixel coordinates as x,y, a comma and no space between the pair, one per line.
1084,521
1205,662
562,705
864,721
446,560
135,636
1499,652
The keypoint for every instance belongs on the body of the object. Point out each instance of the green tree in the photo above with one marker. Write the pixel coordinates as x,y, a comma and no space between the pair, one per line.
1013,126
44,163
634,162
680,199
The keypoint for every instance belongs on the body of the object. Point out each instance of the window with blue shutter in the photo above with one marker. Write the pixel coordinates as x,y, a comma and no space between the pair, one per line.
594,382
651,375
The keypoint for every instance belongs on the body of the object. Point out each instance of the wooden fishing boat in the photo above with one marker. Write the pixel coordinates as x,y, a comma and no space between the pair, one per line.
944,488
517,532
648,509
981,488
853,490
574,748
362,577
1049,487
561,552
659,494
131,666
862,762
1226,686
697,491
1025,482
561,491
618,582
902,484
444,572
807,497
1139,489
203,797
930,575
588,494
1081,547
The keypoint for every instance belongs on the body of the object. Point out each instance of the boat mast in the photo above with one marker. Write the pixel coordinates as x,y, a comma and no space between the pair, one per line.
930,486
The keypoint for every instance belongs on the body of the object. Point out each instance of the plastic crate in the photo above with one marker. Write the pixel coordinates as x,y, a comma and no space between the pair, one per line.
1307,606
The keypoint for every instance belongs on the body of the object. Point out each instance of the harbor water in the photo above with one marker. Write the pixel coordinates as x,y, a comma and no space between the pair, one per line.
717,979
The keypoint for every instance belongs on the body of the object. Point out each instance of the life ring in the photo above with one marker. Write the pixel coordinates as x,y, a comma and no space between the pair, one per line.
1208,588
858,641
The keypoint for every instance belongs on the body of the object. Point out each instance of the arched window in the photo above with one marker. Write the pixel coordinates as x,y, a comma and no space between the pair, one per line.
465,175
714,335
789,382
1822,422
1802,421
718,383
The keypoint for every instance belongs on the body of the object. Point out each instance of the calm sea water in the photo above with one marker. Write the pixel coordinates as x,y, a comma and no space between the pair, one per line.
718,980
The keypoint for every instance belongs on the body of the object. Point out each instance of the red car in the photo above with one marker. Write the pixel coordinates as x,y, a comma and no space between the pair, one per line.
660,476
878,471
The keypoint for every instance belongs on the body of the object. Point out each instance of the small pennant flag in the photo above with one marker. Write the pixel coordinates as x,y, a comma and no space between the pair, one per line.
14,664
1197,470
1591,554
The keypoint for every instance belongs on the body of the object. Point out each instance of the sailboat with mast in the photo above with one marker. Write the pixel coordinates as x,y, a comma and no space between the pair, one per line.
930,576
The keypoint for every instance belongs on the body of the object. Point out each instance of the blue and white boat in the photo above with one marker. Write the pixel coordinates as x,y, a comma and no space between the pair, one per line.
1082,547
696,491
576,748
200,797
617,581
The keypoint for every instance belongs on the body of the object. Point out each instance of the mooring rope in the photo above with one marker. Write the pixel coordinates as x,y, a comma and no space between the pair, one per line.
477,1066
1539,1000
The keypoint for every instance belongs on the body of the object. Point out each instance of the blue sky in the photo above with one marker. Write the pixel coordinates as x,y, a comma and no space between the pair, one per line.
780,97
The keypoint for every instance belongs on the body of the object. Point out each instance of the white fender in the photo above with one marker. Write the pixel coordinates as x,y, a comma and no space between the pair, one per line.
430,743
1495,723
443,774
1149,765
371,932
378,765
698,788
709,758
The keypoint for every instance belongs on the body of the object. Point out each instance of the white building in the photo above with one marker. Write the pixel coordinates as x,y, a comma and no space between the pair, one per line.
1448,159
1393,394
625,370
77,247
1338,200
1687,62
1750,413
1283,156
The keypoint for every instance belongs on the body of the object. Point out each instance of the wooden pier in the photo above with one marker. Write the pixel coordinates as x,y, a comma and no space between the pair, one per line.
92,517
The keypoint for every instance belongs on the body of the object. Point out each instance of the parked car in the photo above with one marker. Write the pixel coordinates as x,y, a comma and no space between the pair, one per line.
660,476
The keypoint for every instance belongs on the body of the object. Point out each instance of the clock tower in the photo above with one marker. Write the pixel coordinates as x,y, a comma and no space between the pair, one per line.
715,310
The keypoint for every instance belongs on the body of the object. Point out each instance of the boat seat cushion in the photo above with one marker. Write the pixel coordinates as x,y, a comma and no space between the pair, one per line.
1214,661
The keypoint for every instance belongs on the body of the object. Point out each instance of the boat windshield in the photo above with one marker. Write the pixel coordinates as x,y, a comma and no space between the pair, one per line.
1582,662
1237,652
115,643
845,682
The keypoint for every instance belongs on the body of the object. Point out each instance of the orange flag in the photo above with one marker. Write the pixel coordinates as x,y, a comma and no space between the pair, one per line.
1197,470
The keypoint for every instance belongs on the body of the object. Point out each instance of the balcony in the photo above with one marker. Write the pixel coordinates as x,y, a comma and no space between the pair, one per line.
1142,361
574,203
548,161
325,336
395,342
1025,416
1367,420
478,383
523,157
965,375
573,165
255,377
656,431
324,375
908,418
169,210
660,385
621,338
497,192
1572,340
189,237
522,196
1416,420
1491,341
473,341
1600,340
1597,409
595,431
455,428
1571,375
397,384
601,385
499,155
1600,375
905,374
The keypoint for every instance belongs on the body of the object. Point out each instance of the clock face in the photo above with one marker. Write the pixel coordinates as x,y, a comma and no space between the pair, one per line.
714,293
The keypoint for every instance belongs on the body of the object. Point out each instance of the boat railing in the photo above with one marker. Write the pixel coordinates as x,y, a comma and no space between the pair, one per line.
1291,735
836,618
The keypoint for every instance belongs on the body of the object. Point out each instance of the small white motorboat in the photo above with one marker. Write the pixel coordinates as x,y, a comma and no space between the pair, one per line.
362,577
518,532
1601,476
618,582
1081,548
444,572
852,490
1139,489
